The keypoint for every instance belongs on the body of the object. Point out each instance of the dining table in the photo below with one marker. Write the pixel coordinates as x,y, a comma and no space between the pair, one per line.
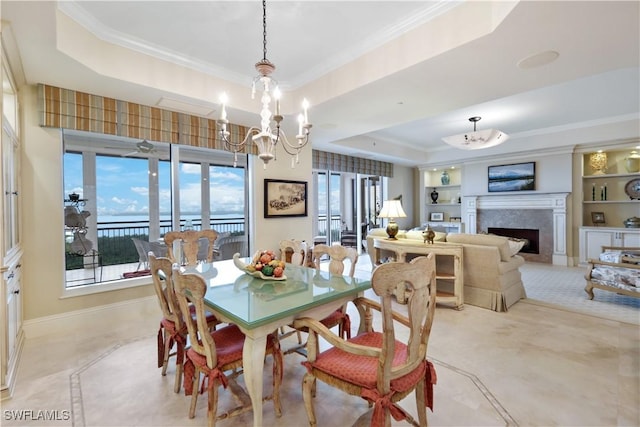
260,307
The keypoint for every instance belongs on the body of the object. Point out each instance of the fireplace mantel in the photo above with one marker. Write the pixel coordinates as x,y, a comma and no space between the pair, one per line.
555,202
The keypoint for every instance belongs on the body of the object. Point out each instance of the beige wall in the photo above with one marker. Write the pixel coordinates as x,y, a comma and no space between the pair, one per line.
403,183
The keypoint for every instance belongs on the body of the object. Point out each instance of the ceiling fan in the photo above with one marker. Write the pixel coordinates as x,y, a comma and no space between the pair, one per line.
142,147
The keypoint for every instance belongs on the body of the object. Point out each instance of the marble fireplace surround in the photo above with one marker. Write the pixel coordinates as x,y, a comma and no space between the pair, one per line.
544,211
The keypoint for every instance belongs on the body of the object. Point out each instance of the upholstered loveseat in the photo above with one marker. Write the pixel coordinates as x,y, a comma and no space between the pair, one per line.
492,277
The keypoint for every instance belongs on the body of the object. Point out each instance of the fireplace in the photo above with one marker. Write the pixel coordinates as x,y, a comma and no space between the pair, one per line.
531,236
545,212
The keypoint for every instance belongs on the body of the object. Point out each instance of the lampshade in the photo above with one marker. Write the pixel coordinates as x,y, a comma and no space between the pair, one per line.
392,209
477,139
598,162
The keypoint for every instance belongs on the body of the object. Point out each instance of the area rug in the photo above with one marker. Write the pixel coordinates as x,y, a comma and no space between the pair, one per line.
563,288
123,387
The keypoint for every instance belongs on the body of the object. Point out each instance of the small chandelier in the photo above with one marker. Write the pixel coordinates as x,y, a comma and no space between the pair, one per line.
477,139
266,137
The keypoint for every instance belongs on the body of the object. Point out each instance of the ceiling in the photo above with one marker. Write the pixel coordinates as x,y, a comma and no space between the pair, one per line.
386,79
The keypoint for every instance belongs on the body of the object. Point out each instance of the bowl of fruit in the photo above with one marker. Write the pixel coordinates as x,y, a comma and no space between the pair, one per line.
264,265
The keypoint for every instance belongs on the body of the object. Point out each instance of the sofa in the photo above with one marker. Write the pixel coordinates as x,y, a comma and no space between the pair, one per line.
491,276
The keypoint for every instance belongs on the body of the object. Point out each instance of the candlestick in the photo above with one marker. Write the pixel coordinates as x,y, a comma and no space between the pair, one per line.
223,101
602,192
605,191
593,192
276,95
305,108
300,122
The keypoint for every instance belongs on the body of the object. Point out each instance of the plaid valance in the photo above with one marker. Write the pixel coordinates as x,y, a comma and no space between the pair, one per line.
70,109
343,163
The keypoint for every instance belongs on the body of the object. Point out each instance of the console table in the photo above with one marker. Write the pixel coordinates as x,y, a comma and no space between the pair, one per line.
449,273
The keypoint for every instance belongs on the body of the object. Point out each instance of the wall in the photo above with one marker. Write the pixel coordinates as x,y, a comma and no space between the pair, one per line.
266,233
402,183
553,172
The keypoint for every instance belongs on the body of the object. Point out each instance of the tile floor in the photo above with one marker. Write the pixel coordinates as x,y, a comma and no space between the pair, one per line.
536,365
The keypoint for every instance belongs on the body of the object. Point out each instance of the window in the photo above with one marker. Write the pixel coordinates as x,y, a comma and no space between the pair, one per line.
123,193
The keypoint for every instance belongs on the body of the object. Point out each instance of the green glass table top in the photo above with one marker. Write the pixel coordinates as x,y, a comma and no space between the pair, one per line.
251,302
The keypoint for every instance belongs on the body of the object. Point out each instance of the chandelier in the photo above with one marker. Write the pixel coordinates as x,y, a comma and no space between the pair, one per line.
267,136
477,139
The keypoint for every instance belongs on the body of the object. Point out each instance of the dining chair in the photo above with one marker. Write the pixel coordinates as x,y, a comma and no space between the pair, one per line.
173,330
192,244
217,355
293,251
337,255
381,367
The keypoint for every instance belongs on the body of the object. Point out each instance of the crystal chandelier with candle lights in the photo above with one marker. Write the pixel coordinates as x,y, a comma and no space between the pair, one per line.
266,137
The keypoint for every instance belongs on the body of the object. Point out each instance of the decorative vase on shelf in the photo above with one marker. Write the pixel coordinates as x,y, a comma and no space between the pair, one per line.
632,163
434,197
444,178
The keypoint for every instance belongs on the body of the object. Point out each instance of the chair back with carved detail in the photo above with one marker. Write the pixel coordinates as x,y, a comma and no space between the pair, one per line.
297,249
337,255
191,245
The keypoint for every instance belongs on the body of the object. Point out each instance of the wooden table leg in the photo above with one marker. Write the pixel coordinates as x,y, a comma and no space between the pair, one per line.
253,360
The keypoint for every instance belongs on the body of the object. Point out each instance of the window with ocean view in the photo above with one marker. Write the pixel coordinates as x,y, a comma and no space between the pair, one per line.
120,200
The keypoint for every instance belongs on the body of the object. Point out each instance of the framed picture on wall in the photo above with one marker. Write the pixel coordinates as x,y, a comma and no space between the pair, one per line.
284,198
597,218
516,177
436,216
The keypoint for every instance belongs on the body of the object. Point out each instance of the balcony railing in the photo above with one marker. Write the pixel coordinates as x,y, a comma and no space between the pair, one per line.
115,246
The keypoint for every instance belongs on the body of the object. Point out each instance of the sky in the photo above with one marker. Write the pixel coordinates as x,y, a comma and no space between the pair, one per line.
123,186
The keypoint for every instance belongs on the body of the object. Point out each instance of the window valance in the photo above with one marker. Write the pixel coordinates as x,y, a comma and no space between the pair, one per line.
70,109
344,163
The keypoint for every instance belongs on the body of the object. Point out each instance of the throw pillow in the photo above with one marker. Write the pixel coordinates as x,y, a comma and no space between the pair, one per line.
611,256
515,245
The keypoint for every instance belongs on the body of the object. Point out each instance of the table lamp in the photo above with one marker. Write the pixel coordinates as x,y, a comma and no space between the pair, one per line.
392,209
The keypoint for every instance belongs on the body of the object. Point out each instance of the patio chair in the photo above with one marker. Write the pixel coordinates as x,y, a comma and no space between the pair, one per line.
143,248
218,354
380,367
230,245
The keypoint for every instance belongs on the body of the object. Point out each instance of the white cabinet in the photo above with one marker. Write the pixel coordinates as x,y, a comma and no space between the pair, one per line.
11,336
592,239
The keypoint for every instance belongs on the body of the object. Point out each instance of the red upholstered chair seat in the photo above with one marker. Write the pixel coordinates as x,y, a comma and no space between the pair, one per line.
362,370
229,341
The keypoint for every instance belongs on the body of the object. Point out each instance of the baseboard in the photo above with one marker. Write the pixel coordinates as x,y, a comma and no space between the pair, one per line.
94,318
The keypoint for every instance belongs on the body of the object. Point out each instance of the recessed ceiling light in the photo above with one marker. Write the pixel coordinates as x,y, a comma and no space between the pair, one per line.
538,59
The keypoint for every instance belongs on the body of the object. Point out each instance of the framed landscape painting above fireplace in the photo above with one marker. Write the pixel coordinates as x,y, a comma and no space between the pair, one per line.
515,177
